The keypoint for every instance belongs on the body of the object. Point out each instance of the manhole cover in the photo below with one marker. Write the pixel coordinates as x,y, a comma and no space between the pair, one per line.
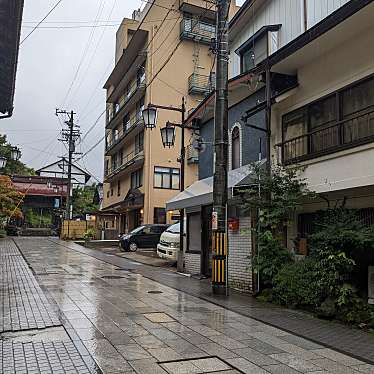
158,317
155,292
112,277
199,365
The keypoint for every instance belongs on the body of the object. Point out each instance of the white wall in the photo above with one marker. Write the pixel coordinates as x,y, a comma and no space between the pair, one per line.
319,9
285,12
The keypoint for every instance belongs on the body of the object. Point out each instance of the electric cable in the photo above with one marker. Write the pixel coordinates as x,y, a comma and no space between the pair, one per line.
40,22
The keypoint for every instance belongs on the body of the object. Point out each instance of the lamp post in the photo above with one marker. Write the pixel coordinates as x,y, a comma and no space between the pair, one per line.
15,155
3,161
168,140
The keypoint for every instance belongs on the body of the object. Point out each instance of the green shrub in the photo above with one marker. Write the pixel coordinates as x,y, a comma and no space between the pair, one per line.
296,284
2,233
89,234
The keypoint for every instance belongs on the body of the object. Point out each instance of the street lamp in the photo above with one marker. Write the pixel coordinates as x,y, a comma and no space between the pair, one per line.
168,139
168,135
150,117
2,162
15,154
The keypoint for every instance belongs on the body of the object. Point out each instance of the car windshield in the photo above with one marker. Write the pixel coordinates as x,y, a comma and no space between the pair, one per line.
174,228
138,229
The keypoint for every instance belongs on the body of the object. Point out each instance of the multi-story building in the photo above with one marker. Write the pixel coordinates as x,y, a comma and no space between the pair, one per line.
162,54
321,82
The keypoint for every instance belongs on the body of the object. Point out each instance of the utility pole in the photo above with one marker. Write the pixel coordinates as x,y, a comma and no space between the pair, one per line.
219,219
69,136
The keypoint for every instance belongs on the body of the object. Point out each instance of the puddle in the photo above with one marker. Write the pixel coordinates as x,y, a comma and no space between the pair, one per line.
49,334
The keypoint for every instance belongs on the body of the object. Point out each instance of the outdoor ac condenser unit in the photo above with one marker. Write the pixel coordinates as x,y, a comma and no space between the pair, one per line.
371,284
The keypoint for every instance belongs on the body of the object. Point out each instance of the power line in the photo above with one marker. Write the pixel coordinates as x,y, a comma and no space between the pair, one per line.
73,27
94,53
40,22
99,11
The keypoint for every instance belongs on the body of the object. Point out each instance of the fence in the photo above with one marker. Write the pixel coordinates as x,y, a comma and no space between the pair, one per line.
72,230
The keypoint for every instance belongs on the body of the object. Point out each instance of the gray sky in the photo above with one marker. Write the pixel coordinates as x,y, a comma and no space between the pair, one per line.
48,61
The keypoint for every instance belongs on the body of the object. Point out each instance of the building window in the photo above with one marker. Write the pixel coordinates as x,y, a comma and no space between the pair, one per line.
340,120
235,148
107,194
167,178
139,108
159,215
137,179
118,188
194,232
139,142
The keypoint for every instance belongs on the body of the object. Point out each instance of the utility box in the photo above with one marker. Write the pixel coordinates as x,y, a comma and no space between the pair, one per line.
371,284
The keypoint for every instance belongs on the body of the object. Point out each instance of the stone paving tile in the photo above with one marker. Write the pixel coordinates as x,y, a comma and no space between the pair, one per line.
52,357
280,369
122,336
23,305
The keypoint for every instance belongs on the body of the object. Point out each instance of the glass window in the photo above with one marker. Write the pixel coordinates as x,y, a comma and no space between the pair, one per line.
137,179
118,188
247,60
159,216
323,112
168,178
358,97
235,148
139,142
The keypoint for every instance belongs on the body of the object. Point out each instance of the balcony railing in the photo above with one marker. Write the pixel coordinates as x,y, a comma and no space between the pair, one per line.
135,85
126,161
200,84
197,30
124,130
342,135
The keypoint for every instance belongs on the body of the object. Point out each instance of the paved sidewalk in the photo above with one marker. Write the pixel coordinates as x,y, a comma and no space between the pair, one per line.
132,324
32,338
334,335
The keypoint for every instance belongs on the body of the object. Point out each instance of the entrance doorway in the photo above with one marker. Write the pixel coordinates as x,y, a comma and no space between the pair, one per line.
206,245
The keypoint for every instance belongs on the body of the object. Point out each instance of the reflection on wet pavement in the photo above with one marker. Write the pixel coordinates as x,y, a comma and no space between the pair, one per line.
127,329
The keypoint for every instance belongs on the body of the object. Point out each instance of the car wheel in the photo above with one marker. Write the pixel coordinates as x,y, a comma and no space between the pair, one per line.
133,247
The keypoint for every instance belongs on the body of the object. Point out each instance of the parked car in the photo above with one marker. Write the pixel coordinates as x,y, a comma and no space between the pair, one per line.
168,246
145,236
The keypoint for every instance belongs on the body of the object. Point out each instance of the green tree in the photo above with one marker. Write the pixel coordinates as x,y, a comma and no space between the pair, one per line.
274,199
13,167
83,200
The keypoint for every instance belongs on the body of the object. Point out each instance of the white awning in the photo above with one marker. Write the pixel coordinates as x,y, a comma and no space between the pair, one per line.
201,192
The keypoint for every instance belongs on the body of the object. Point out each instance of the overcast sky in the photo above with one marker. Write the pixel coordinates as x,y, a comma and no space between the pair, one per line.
48,62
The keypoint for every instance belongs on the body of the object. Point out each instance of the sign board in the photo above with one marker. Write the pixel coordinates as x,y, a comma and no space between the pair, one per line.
371,284
214,221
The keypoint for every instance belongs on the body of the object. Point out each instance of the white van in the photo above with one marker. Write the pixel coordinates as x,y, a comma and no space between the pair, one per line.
168,245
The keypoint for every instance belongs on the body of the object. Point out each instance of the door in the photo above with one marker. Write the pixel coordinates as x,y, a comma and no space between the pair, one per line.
206,245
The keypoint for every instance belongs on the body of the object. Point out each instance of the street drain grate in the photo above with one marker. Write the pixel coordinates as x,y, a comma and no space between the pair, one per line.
199,365
112,277
155,292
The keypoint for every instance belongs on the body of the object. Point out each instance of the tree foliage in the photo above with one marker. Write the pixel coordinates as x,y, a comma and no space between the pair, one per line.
83,200
12,167
274,198
10,199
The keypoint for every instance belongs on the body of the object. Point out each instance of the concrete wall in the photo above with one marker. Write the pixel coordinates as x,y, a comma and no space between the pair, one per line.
192,263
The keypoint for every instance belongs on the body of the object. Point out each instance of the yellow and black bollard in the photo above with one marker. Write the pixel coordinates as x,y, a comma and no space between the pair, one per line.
219,248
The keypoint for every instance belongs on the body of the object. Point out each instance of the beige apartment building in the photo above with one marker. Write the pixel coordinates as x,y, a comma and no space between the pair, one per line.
162,55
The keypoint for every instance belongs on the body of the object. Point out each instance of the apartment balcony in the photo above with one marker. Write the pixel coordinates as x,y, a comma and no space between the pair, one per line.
135,122
199,84
343,135
134,94
129,163
202,32
192,155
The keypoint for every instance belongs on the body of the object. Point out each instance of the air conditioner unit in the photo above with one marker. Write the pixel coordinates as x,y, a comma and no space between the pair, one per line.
371,284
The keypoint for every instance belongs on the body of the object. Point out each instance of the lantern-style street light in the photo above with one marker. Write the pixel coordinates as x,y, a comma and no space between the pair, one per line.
3,161
168,135
15,154
150,117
